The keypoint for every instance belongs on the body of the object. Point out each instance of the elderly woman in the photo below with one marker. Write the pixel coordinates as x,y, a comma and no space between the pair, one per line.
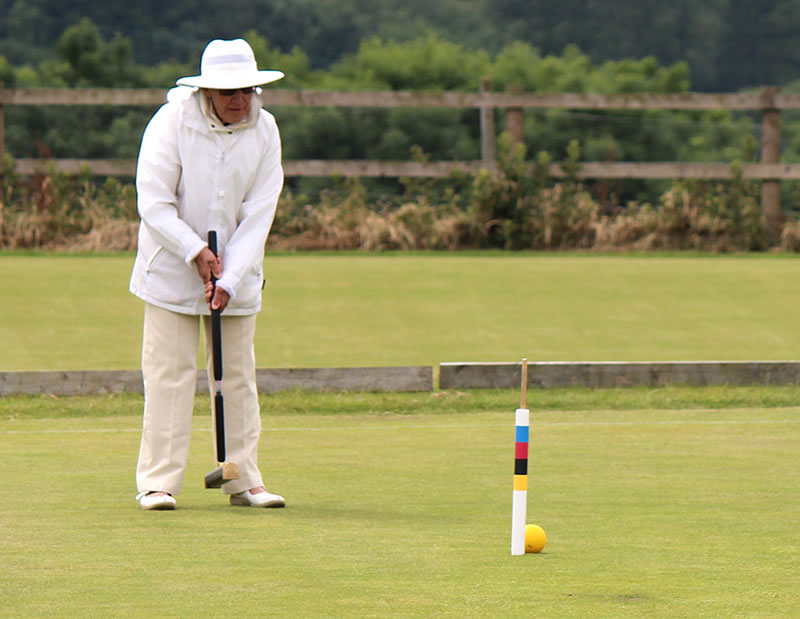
210,159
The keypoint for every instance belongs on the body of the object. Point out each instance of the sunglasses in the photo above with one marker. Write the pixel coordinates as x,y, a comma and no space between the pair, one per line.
229,92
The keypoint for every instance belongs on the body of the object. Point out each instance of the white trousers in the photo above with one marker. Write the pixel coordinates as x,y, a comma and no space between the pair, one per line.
169,368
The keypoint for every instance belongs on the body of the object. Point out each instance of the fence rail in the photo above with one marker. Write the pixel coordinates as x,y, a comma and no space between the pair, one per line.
768,98
769,102
443,169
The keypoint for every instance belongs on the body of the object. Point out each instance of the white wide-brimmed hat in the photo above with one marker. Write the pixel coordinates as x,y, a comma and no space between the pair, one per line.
229,64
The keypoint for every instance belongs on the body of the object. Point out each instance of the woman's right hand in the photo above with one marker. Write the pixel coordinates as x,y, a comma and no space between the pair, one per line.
207,264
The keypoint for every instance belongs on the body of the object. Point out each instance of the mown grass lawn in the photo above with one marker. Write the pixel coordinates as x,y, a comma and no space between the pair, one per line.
668,502
663,503
352,310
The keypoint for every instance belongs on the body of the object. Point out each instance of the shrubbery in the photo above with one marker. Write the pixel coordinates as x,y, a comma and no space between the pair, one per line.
57,211
508,208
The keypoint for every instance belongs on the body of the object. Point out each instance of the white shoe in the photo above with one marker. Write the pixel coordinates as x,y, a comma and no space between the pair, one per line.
262,499
150,499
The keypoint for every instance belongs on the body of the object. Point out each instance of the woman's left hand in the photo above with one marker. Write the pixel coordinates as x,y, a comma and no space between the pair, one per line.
220,298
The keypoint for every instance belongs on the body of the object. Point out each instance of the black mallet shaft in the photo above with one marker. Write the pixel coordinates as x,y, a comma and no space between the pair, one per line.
228,470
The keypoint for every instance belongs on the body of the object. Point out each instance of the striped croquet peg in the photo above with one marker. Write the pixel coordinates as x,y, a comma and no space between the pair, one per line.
519,505
520,501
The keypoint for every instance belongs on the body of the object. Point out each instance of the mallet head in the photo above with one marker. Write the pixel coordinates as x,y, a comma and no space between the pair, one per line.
222,474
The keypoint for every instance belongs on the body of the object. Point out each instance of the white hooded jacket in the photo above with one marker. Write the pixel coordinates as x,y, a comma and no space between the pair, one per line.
194,175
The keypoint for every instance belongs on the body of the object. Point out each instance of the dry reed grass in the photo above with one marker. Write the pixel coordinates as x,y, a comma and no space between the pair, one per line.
505,209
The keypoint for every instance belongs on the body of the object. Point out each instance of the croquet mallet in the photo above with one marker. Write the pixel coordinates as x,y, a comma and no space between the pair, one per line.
227,471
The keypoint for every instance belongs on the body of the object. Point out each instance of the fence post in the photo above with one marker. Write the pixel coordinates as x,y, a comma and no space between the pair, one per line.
487,126
515,118
2,131
771,213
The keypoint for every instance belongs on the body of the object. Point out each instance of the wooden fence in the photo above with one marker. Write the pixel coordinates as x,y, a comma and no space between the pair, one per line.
769,102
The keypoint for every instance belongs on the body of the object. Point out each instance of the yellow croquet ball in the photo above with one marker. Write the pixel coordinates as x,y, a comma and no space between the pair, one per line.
535,538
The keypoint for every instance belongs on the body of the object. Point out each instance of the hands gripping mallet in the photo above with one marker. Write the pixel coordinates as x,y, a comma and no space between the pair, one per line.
227,471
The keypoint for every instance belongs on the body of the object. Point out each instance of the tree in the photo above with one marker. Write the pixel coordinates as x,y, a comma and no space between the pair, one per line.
93,62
